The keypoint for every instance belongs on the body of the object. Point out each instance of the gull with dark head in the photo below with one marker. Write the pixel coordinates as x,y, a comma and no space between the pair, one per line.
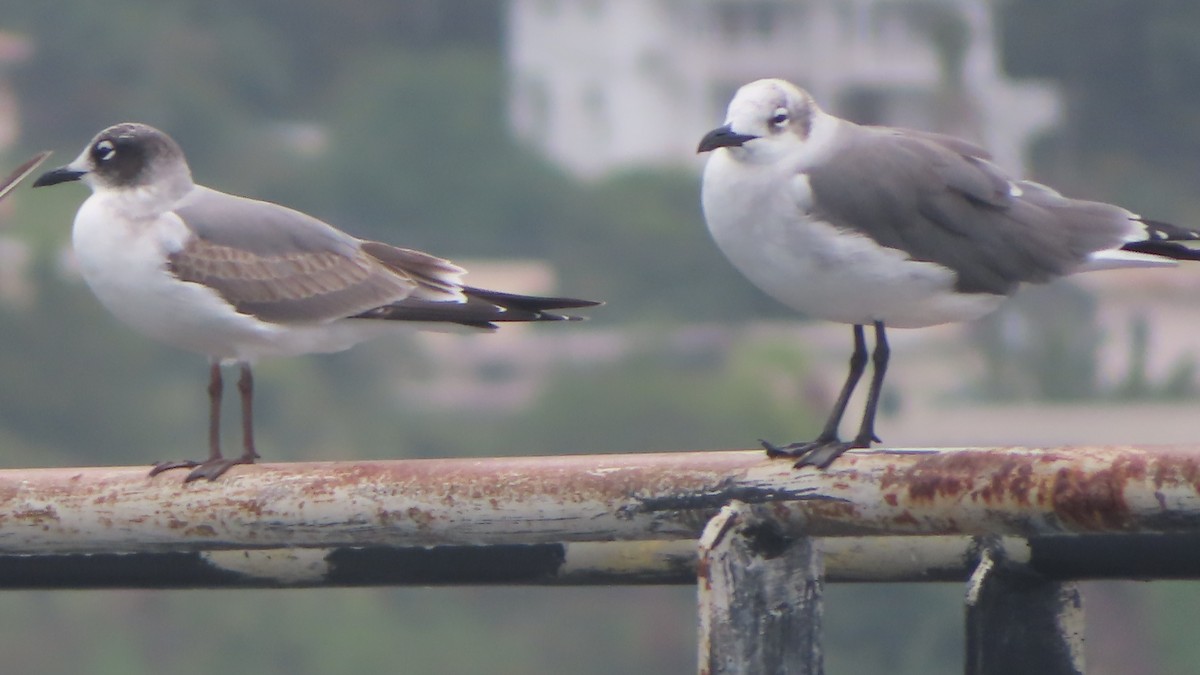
237,279
880,226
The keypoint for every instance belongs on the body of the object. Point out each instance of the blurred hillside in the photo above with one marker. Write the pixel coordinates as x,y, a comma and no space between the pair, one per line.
390,120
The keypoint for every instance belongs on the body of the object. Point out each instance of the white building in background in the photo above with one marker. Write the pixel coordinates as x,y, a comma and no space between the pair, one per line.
599,85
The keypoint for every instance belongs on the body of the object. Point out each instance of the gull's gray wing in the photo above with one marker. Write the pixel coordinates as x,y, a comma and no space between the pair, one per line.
939,199
283,266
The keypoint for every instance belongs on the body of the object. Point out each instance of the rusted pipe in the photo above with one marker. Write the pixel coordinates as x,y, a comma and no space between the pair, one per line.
846,559
573,564
533,500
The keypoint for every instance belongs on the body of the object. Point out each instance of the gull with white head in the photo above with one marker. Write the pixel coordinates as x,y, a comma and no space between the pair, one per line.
881,226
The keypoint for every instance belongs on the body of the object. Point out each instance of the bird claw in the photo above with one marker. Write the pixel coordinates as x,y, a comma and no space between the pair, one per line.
822,455
775,451
211,469
819,453
160,467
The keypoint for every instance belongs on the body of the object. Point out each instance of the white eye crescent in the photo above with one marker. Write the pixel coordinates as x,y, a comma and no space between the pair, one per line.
780,117
104,150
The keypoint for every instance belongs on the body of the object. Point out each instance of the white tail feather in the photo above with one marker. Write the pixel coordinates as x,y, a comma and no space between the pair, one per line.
1117,259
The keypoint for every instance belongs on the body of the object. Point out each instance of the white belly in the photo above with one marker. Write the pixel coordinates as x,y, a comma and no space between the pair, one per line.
818,269
125,268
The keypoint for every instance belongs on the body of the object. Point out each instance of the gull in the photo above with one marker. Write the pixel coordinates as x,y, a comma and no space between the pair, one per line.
237,279
880,226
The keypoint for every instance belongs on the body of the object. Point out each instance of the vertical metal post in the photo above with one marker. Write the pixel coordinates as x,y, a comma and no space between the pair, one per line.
1018,622
759,597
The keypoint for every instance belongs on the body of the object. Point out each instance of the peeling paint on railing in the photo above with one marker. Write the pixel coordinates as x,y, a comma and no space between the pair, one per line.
596,498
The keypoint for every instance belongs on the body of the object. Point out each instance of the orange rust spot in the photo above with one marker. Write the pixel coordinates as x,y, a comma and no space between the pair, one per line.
840,512
1174,469
953,477
702,572
36,515
253,506
906,518
200,531
891,499
420,517
386,517
1096,500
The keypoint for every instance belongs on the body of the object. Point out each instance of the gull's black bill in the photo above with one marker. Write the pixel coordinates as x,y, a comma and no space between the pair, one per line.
723,137
60,175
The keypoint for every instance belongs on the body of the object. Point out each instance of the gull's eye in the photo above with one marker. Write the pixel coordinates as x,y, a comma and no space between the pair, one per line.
780,117
104,151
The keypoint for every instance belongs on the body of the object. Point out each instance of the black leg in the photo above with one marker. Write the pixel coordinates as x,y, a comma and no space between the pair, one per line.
866,432
216,464
246,389
215,387
858,363
827,446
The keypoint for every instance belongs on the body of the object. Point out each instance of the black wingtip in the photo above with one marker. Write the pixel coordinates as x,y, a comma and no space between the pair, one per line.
1158,230
1167,240
1163,248
484,309
530,303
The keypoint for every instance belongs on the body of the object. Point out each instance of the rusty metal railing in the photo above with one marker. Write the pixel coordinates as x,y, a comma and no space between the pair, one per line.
1006,520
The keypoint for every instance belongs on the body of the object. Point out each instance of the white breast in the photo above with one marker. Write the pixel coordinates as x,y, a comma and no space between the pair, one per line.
757,215
124,263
